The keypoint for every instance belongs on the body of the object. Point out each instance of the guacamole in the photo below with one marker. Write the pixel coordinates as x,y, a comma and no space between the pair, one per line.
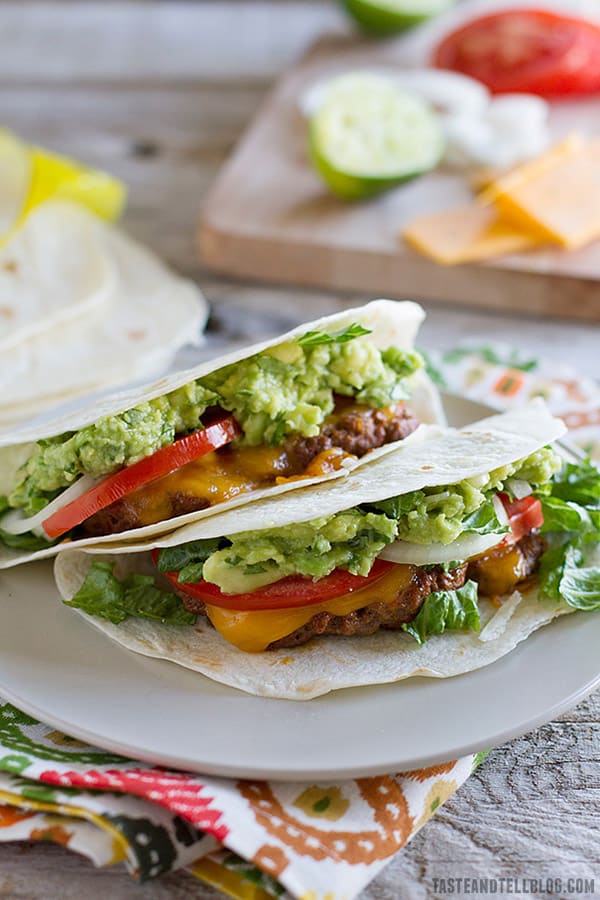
286,389
441,514
349,540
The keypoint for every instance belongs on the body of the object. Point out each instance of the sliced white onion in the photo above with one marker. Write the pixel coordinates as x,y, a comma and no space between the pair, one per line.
14,522
501,513
447,92
464,547
518,488
518,112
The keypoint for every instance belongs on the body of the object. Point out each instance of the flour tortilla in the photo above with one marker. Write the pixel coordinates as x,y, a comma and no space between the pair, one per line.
390,323
330,663
53,270
96,310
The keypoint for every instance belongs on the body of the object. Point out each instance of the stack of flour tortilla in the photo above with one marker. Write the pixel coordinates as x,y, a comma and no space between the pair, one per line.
83,307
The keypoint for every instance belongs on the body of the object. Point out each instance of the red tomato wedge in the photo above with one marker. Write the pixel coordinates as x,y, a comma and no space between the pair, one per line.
293,591
523,515
163,462
526,51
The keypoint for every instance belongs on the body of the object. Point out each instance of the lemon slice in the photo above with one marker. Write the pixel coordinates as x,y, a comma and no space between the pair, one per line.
60,178
389,16
368,136
29,176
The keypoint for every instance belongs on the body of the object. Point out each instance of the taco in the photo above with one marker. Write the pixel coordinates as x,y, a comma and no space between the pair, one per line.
433,560
283,414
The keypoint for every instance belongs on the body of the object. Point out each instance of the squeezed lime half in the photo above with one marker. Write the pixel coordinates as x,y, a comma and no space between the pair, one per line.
368,136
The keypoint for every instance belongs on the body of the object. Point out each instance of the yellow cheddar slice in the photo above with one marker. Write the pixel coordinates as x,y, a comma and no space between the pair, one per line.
465,235
253,631
556,197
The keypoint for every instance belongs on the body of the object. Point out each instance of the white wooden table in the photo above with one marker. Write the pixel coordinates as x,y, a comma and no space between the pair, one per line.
158,92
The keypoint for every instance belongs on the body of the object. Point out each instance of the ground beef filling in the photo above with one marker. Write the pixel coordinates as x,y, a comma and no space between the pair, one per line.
521,559
352,429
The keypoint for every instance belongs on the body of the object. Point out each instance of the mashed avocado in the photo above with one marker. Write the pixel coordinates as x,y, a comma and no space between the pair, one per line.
350,540
441,514
287,389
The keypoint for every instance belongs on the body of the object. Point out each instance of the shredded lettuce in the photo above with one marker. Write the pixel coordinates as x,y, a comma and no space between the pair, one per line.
103,595
446,611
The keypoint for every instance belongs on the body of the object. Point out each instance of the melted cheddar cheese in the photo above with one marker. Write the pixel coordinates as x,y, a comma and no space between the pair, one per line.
253,631
221,475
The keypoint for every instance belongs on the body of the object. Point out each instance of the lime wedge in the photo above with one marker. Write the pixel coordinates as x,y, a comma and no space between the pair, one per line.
367,136
389,16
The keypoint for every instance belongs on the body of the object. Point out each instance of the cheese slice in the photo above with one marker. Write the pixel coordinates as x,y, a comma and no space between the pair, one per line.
556,197
254,631
465,235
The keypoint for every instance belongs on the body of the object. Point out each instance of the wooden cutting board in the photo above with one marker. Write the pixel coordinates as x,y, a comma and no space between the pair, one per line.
268,217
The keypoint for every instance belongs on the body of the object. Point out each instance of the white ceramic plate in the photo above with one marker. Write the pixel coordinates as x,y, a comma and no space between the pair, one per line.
60,669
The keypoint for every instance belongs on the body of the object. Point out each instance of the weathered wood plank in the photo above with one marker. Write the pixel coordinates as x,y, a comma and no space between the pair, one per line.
156,42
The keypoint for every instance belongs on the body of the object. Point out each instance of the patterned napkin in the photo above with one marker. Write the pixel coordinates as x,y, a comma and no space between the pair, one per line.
258,840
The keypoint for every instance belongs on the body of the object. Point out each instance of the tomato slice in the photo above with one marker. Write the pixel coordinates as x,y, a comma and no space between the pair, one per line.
526,51
163,462
287,593
523,515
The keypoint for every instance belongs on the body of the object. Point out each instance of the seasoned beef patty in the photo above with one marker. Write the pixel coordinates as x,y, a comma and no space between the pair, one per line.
356,431
380,614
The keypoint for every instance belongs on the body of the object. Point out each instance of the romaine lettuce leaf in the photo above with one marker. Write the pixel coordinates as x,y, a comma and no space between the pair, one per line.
103,595
485,521
446,611
572,526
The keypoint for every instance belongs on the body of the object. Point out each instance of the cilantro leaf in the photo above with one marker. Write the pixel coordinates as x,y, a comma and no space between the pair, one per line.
314,338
